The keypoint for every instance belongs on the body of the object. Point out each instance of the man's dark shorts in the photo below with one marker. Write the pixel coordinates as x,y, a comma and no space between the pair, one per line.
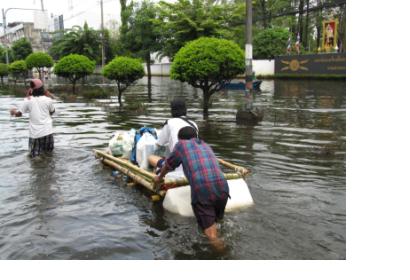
207,214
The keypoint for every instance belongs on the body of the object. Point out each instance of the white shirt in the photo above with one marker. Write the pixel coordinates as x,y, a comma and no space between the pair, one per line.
169,137
39,109
169,133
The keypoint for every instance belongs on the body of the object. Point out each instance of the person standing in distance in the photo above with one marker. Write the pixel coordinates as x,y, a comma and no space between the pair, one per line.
40,108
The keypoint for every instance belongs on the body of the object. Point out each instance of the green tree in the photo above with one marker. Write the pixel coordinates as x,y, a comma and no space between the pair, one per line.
270,43
208,63
123,70
3,71
139,31
3,54
18,69
39,60
145,31
84,41
74,67
187,20
21,49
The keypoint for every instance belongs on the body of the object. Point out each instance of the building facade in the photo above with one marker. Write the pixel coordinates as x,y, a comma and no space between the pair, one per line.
40,40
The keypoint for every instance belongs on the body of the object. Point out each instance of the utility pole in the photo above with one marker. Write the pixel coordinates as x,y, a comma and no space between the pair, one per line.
102,35
248,46
5,37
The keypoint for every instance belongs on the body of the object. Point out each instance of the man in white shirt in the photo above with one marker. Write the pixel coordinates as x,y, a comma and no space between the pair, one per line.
169,133
40,108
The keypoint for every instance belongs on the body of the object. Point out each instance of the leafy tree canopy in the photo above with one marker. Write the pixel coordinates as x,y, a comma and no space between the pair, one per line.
74,67
124,70
208,63
270,43
21,49
18,67
3,69
187,20
2,54
38,60
85,41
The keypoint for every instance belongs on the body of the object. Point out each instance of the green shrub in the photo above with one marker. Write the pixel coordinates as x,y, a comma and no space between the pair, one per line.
208,63
4,71
270,43
18,69
123,70
74,67
39,60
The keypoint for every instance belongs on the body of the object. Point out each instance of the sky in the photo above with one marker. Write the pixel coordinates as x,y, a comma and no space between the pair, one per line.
75,12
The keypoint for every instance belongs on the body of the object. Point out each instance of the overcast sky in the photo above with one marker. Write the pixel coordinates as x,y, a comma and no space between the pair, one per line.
75,11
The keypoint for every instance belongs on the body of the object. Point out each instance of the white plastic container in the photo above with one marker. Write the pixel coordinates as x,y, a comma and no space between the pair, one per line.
145,147
120,144
178,200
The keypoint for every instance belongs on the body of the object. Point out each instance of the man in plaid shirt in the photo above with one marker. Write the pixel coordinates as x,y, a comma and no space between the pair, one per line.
209,188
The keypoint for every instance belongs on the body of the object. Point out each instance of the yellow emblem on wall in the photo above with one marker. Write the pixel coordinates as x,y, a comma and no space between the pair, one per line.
295,65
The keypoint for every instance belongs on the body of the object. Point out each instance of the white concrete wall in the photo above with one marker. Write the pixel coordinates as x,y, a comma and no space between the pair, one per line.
159,69
261,67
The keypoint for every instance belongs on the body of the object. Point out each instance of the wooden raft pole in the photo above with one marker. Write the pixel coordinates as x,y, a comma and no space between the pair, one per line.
146,179
129,165
134,177
184,181
237,168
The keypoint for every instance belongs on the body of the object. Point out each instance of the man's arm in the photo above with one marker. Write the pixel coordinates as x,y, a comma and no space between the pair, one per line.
170,163
164,170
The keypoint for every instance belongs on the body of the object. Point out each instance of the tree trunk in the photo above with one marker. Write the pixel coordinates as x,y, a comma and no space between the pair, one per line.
341,29
264,14
149,91
119,93
300,19
207,96
306,31
318,25
74,82
2,83
39,73
148,62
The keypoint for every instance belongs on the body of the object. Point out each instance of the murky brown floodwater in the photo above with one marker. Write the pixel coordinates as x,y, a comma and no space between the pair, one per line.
69,207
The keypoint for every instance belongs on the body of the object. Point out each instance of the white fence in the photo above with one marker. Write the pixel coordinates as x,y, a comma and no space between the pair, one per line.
261,67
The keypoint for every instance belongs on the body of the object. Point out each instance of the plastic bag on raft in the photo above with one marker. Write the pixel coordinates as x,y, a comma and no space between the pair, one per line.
146,146
120,144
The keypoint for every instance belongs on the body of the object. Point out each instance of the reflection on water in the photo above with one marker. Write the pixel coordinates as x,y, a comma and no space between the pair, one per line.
69,207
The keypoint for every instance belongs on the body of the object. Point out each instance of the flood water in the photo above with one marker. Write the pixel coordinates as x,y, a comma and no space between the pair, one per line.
68,206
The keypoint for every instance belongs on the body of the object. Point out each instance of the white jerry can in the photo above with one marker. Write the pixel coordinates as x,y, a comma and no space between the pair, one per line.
178,200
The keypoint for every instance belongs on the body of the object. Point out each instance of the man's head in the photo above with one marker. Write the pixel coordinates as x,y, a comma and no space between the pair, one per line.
178,108
187,133
37,87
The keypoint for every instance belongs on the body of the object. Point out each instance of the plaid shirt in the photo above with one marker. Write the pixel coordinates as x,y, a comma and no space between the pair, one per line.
201,169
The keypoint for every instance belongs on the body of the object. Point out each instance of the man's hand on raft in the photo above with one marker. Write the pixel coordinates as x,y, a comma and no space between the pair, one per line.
157,182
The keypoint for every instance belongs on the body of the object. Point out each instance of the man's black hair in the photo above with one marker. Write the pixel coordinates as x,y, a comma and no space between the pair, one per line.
187,133
38,91
178,108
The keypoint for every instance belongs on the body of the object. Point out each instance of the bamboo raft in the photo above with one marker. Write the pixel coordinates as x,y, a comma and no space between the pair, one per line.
146,179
